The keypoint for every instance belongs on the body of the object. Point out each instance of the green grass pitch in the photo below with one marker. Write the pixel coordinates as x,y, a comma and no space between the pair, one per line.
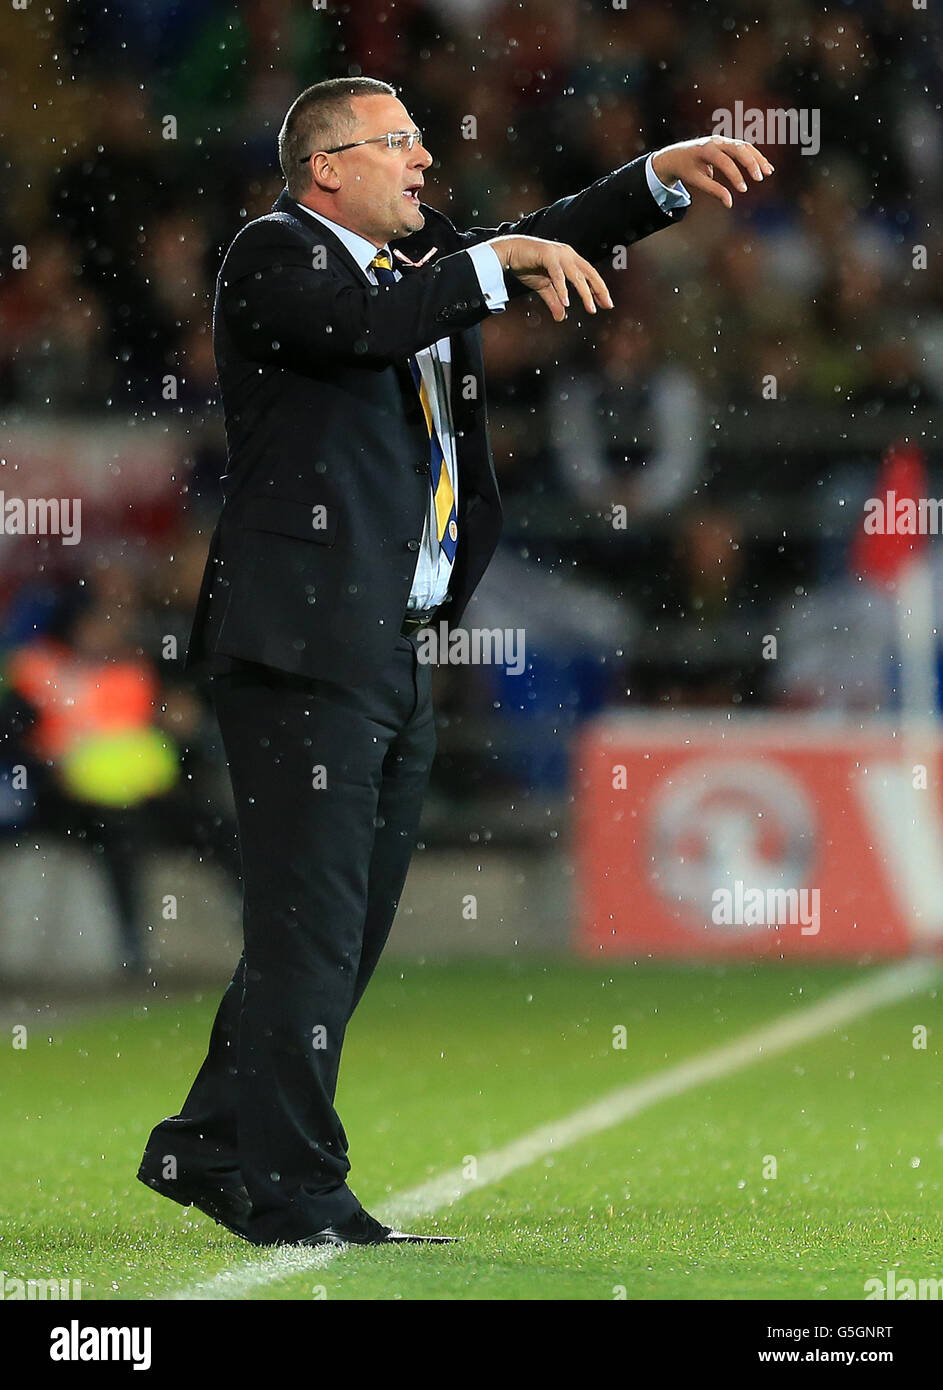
444,1062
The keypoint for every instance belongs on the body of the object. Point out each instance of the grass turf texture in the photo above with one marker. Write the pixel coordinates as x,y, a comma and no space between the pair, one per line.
447,1061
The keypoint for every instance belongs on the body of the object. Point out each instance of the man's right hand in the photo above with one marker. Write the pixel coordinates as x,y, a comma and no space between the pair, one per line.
546,266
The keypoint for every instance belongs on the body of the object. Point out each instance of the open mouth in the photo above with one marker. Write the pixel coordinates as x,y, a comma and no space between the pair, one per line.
412,194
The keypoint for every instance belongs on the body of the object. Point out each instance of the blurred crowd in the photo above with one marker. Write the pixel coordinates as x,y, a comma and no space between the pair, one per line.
167,146
142,134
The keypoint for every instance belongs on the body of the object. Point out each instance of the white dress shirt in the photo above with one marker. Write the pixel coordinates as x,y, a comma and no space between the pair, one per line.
433,568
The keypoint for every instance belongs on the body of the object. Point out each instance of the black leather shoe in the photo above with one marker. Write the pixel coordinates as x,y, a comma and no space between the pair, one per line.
364,1229
226,1203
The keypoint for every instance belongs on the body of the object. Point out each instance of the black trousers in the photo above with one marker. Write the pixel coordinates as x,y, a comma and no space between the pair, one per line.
328,782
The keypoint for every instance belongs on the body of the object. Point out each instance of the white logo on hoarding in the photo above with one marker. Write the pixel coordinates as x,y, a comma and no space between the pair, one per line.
716,823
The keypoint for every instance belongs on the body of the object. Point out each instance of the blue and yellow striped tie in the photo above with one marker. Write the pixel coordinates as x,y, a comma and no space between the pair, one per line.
446,519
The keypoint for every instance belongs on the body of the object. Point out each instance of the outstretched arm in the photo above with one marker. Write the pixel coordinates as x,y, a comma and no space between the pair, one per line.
622,207
617,209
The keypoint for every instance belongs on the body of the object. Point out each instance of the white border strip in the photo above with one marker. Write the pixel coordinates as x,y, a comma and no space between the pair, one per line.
884,987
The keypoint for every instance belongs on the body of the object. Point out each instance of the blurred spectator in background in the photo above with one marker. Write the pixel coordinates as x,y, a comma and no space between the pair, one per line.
52,353
84,705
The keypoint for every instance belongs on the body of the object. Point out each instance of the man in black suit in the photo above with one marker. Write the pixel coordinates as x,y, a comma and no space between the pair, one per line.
360,505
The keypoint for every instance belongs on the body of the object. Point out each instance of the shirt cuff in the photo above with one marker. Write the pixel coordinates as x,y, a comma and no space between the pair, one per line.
490,276
667,198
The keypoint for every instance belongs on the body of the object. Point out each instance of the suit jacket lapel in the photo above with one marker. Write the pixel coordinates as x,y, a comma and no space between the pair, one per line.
286,204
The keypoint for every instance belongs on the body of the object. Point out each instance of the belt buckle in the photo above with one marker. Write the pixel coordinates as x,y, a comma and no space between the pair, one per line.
413,621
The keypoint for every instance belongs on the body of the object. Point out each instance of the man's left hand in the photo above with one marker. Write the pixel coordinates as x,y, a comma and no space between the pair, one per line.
698,163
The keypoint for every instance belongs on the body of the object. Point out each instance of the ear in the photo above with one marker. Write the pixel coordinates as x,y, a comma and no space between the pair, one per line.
324,174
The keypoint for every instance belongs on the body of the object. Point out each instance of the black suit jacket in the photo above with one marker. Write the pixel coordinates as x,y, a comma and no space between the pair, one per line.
312,560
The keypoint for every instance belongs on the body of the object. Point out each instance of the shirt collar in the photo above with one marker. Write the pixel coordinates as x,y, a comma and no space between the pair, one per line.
362,250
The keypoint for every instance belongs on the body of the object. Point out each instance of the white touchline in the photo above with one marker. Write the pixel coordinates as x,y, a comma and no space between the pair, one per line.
879,989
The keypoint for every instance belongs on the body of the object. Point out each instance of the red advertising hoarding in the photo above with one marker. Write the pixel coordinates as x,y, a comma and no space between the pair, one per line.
775,836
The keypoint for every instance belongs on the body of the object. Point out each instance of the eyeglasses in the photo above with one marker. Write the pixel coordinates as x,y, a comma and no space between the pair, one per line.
394,139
